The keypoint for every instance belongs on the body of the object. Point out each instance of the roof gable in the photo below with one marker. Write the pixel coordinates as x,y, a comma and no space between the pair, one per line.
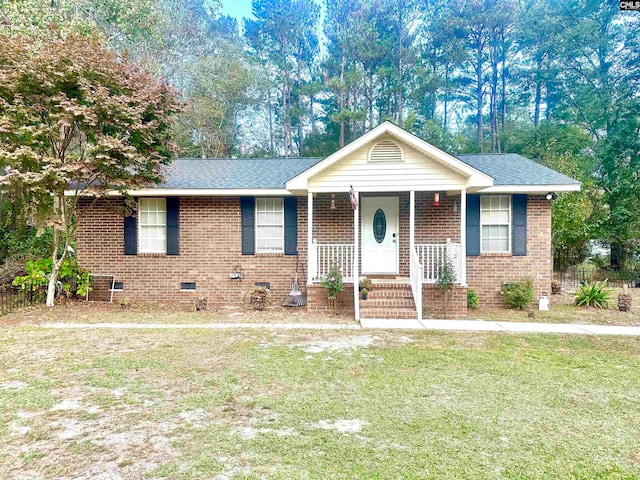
475,178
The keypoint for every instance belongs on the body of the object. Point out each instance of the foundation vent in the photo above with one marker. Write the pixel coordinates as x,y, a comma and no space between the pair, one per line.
386,151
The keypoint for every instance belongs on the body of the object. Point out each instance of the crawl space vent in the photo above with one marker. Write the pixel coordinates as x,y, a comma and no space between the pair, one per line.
187,286
386,151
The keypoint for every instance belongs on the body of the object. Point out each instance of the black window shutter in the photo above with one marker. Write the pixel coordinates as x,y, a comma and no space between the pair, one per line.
519,210
473,224
131,235
248,207
290,225
173,225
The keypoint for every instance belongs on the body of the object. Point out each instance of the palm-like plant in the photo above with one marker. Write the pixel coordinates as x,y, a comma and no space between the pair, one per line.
594,295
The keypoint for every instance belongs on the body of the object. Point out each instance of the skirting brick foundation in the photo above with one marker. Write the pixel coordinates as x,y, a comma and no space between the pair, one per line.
317,300
433,305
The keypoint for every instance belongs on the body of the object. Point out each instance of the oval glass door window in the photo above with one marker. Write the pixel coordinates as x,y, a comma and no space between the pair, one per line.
379,225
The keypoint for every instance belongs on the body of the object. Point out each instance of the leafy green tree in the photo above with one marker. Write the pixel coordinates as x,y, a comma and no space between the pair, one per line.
75,118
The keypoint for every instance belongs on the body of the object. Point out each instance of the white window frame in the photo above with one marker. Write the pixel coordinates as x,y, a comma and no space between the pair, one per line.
146,201
483,223
257,229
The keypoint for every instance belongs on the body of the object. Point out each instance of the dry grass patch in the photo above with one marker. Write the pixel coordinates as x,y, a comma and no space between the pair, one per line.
183,404
564,310
104,312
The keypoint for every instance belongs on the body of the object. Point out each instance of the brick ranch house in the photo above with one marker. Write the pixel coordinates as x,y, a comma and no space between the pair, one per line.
214,219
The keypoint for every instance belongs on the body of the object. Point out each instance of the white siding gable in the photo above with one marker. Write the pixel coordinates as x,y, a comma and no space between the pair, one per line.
386,172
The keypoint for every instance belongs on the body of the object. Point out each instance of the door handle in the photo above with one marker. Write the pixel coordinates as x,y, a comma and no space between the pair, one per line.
393,235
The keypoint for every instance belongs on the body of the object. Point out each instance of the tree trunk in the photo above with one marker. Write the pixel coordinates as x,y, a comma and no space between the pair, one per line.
311,114
479,85
270,109
60,208
617,255
53,278
479,106
538,95
503,117
370,101
446,100
341,103
300,108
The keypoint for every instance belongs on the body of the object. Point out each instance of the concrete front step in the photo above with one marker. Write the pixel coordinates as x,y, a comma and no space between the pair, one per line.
400,312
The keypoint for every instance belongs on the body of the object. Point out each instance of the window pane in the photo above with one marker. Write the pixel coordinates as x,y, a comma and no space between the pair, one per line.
152,220
269,224
496,222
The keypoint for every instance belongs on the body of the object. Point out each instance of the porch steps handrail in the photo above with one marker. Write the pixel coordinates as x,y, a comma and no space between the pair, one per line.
329,254
417,275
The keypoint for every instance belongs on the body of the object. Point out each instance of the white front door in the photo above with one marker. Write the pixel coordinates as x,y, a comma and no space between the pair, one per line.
380,230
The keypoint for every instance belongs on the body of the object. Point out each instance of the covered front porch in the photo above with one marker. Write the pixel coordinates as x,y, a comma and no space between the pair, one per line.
400,238
392,207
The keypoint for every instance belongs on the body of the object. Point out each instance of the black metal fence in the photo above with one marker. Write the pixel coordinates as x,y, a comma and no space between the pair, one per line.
583,274
15,298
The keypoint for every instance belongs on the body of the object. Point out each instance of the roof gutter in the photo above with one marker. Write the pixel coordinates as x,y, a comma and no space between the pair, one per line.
197,192
532,189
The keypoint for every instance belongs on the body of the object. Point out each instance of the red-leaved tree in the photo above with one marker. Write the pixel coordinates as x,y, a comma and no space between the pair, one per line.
77,120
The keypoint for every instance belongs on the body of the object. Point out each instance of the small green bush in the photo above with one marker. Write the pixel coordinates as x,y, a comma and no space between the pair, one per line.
594,295
472,299
518,294
333,283
446,277
75,281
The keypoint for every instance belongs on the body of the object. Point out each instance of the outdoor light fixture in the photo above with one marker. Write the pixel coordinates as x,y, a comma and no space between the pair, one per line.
436,199
455,205
333,202
551,196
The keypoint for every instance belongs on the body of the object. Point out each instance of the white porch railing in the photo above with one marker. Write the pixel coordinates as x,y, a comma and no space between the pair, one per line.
432,257
329,254
417,275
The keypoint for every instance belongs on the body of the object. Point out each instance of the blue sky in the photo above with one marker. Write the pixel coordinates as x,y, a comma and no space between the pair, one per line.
236,8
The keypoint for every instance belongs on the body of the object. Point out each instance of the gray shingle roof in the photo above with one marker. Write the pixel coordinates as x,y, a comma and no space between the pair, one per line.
227,173
514,169
268,173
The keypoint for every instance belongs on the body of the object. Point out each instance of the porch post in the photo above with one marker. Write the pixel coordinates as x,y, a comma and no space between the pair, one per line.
356,258
311,252
463,236
412,220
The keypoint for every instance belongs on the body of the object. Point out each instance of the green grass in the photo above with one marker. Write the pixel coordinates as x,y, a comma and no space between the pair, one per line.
195,404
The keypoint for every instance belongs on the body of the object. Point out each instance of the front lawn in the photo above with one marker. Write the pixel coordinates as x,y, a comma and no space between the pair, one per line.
325,404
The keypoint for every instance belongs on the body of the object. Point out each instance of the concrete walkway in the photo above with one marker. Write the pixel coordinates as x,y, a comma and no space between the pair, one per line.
514,327
374,324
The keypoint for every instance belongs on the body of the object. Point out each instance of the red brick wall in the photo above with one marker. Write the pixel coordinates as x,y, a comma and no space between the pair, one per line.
487,273
317,299
210,247
433,304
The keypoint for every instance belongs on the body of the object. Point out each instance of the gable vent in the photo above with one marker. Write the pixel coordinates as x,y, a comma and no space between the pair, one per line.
386,151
